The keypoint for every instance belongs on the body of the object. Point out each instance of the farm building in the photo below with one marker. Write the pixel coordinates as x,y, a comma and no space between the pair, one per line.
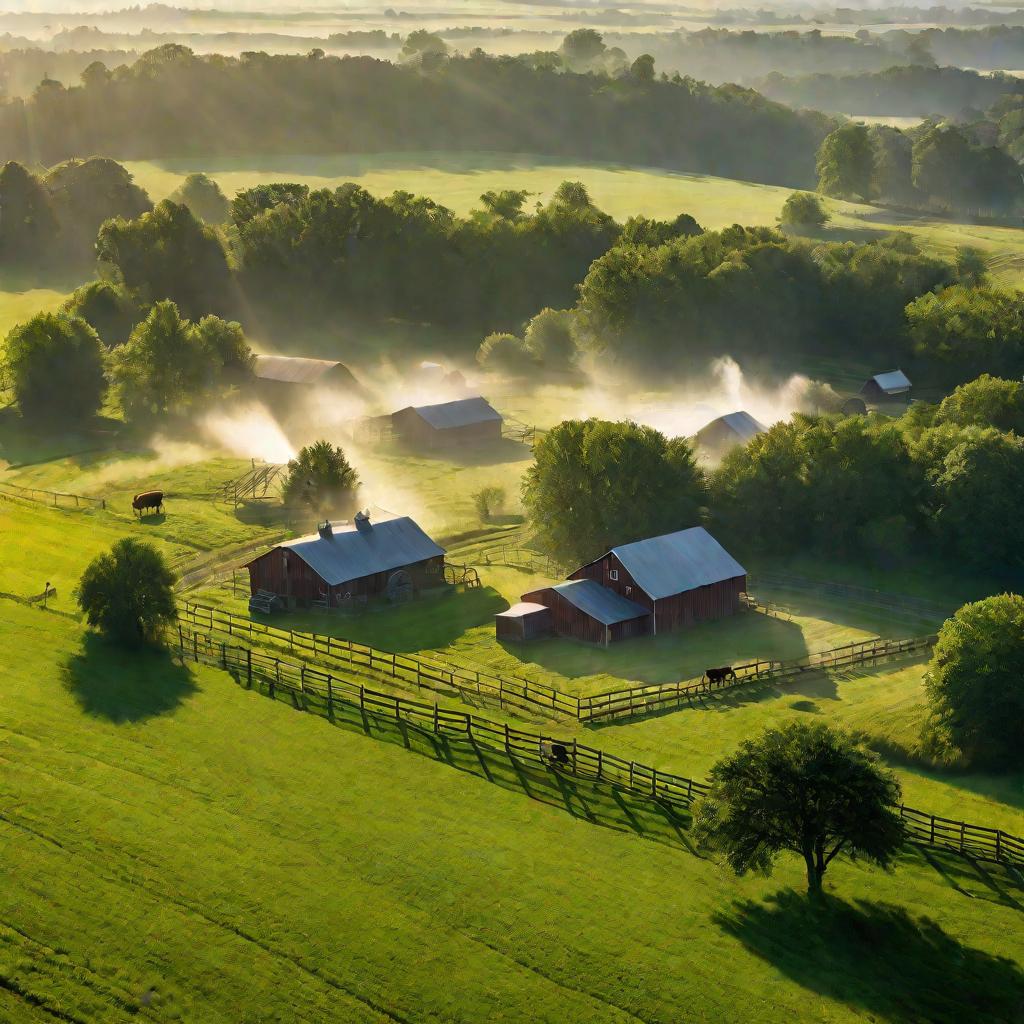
891,386
735,428
282,379
679,578
523,621
342,563
585,610
468,421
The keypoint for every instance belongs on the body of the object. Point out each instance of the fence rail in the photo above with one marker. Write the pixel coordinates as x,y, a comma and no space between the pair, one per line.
320,692
56,499
642,699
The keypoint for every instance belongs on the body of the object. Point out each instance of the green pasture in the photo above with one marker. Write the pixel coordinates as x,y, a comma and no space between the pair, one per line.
177,848
457,180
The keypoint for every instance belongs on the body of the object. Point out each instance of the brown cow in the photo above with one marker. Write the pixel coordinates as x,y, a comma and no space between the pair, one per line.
147,500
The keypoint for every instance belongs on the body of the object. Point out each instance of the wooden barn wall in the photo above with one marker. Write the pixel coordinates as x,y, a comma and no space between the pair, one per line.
631,628
416,432
303,586
566,618
625,585
701,605
527,627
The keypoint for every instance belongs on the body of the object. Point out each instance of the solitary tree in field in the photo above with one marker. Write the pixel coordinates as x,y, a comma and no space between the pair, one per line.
128,593
803,789
321,478
55,364
803,210
975,682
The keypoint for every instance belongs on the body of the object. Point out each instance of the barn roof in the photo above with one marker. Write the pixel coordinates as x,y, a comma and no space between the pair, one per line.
741,423
350,553
460,413
677,562
522,609
599,602
892,382
293,369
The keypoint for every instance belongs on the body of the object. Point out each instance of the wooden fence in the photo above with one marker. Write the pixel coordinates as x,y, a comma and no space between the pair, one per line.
321,692
638,700
56,499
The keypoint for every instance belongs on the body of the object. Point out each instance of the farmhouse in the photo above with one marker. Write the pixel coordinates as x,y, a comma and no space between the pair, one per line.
342,563
292,378
735,428
893,385
585,610
680,578
468,421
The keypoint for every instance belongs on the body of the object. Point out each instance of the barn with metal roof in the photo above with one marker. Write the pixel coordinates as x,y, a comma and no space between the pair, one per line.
679,578
725,432
889,386
467,421
585,610
346,562
288,380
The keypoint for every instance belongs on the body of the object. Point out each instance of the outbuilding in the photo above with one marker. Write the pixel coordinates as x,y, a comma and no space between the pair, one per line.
725,432
343,563
523,621
292,378
891,386
679,578
584,610
465,422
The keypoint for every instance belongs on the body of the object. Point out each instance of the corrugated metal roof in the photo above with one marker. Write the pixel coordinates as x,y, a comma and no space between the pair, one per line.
293,369
350,553
460,413
676,562
741,423
892,382
599,602
522,609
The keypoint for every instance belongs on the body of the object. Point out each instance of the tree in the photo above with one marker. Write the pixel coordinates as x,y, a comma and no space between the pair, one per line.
507,204
321,478
423,45
803,789
581,48
572,194
55,365
169,362
226,339
985,402
846,163
550,338
489,501
505,353
28,225
107,308
975,682
803,210
971,269
203,196
893,164
595,484
128,593
642,69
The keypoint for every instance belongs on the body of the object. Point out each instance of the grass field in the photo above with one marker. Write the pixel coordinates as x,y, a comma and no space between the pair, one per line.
458,180
178,849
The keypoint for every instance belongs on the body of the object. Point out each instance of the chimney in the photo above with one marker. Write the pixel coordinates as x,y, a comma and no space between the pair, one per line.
362,521
324,529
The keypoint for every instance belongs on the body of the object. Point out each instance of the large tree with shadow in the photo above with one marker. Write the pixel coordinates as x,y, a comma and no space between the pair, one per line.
803,789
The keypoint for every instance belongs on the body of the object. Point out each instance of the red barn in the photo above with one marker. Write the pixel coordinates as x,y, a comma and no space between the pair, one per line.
680,578
341,563
587,611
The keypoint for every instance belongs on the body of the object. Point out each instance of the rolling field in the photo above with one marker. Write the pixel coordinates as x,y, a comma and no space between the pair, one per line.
458,180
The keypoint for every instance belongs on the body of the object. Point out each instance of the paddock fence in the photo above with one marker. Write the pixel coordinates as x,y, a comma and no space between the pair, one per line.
55,499
323,693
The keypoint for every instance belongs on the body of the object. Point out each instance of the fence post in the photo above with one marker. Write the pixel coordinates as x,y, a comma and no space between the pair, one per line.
248,666
654,782
195,647
436,729
632,765
181,639
277,676
507,745
330,697
224,655
362,697
574,761
600,764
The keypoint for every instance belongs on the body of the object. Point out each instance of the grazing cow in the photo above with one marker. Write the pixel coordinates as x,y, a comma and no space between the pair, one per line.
147,500
719,675
556,754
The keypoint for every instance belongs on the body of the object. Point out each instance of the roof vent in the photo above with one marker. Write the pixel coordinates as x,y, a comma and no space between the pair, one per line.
362,521
324,529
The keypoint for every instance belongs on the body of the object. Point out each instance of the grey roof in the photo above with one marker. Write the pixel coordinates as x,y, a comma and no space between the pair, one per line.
460,413
293,369
741,423
599,602
522,609
350,553
676,562
892,382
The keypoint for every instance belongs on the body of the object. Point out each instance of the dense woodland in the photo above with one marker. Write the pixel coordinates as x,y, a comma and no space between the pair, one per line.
172,103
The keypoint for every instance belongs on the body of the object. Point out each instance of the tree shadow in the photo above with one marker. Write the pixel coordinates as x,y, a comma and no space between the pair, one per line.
124,685
878,958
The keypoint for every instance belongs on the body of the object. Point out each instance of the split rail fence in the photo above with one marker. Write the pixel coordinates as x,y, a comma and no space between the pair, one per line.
321,692
56,499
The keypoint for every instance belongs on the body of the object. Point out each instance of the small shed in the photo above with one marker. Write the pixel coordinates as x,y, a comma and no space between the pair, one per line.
725,432
523,621
346,562
892,386
465,422
584,610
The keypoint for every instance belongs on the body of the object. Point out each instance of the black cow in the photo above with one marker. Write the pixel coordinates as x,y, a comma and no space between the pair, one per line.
556,754
719,675
147,500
